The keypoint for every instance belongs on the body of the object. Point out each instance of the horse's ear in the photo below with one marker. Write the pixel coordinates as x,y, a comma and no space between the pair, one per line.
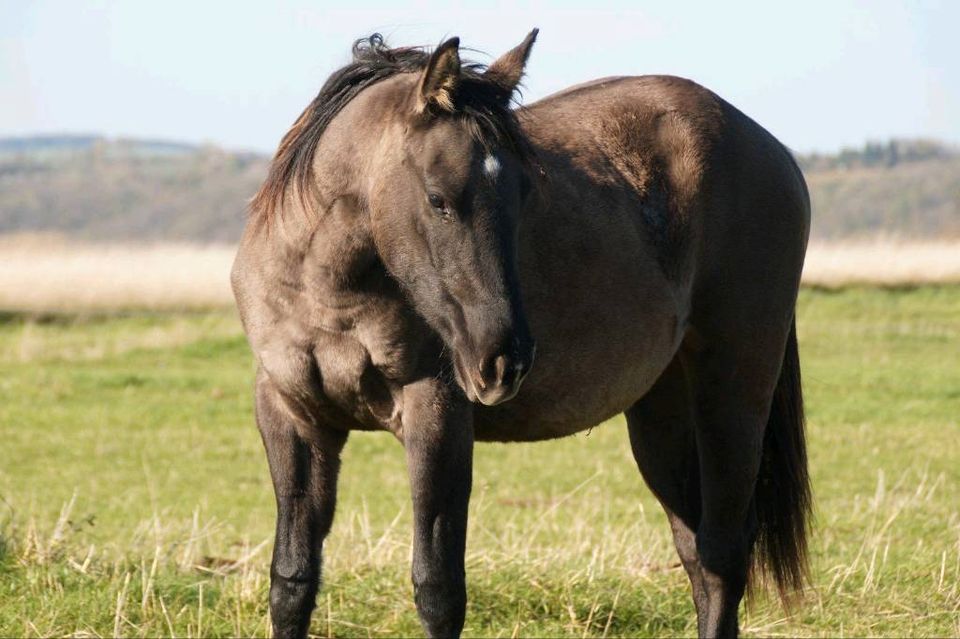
507,70
440,78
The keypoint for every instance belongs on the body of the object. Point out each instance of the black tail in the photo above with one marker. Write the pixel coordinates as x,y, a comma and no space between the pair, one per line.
782,498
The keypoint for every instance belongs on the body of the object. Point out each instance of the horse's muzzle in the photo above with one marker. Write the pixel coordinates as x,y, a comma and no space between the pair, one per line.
498,377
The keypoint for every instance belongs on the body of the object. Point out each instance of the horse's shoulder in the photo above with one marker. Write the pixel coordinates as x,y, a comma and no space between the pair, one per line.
324,339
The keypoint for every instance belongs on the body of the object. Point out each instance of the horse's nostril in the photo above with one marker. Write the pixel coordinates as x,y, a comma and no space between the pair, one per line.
501,369
506,368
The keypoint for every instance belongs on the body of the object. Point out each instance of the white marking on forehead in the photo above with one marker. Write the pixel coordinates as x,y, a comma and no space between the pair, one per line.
491,165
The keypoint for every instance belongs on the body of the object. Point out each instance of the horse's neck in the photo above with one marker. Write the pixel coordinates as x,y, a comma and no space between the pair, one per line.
326,252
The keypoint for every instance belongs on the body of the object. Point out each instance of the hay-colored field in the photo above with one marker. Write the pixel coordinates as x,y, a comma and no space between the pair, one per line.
135,498
882,262
43,274
48,274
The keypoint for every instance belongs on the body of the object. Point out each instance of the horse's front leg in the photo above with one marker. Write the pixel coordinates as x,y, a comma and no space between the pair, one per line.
438,437
304,462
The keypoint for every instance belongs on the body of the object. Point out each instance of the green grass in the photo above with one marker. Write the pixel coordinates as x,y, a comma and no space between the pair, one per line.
135,498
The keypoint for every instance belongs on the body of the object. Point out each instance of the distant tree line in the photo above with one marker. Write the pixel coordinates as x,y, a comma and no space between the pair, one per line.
878,154
98,189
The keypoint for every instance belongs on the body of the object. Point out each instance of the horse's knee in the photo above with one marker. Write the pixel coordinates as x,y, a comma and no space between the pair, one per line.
295,584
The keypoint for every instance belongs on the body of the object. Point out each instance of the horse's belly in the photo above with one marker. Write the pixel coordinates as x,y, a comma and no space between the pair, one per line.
594,360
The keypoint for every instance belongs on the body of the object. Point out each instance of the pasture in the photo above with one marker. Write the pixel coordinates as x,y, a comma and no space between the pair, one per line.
135,498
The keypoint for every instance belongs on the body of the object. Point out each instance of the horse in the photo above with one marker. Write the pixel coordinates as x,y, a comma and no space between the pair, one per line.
427,258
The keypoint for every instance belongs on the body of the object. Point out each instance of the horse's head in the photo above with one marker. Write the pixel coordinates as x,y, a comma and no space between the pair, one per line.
428,159
445,203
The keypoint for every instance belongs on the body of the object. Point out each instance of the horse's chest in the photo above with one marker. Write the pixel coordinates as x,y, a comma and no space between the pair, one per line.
363,369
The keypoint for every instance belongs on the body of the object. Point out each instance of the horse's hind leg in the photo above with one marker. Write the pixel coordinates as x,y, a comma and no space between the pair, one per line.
698,438
733,381
304,472
662,437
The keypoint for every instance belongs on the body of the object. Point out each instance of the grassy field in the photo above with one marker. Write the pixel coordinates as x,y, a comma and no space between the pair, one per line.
135,498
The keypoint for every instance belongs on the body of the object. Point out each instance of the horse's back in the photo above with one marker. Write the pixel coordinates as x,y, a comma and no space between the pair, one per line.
718,192
666,122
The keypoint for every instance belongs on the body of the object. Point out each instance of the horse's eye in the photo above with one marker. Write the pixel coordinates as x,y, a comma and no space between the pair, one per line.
437,202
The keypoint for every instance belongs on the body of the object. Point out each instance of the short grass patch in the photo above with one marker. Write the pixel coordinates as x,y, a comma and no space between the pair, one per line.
135,498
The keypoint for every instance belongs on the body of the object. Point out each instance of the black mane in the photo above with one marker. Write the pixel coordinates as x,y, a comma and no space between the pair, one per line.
480,101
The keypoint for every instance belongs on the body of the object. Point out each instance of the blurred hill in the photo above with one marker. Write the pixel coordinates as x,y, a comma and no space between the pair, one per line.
95,188
903,188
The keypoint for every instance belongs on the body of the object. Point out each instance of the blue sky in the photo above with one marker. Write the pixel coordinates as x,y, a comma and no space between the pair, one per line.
818,74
